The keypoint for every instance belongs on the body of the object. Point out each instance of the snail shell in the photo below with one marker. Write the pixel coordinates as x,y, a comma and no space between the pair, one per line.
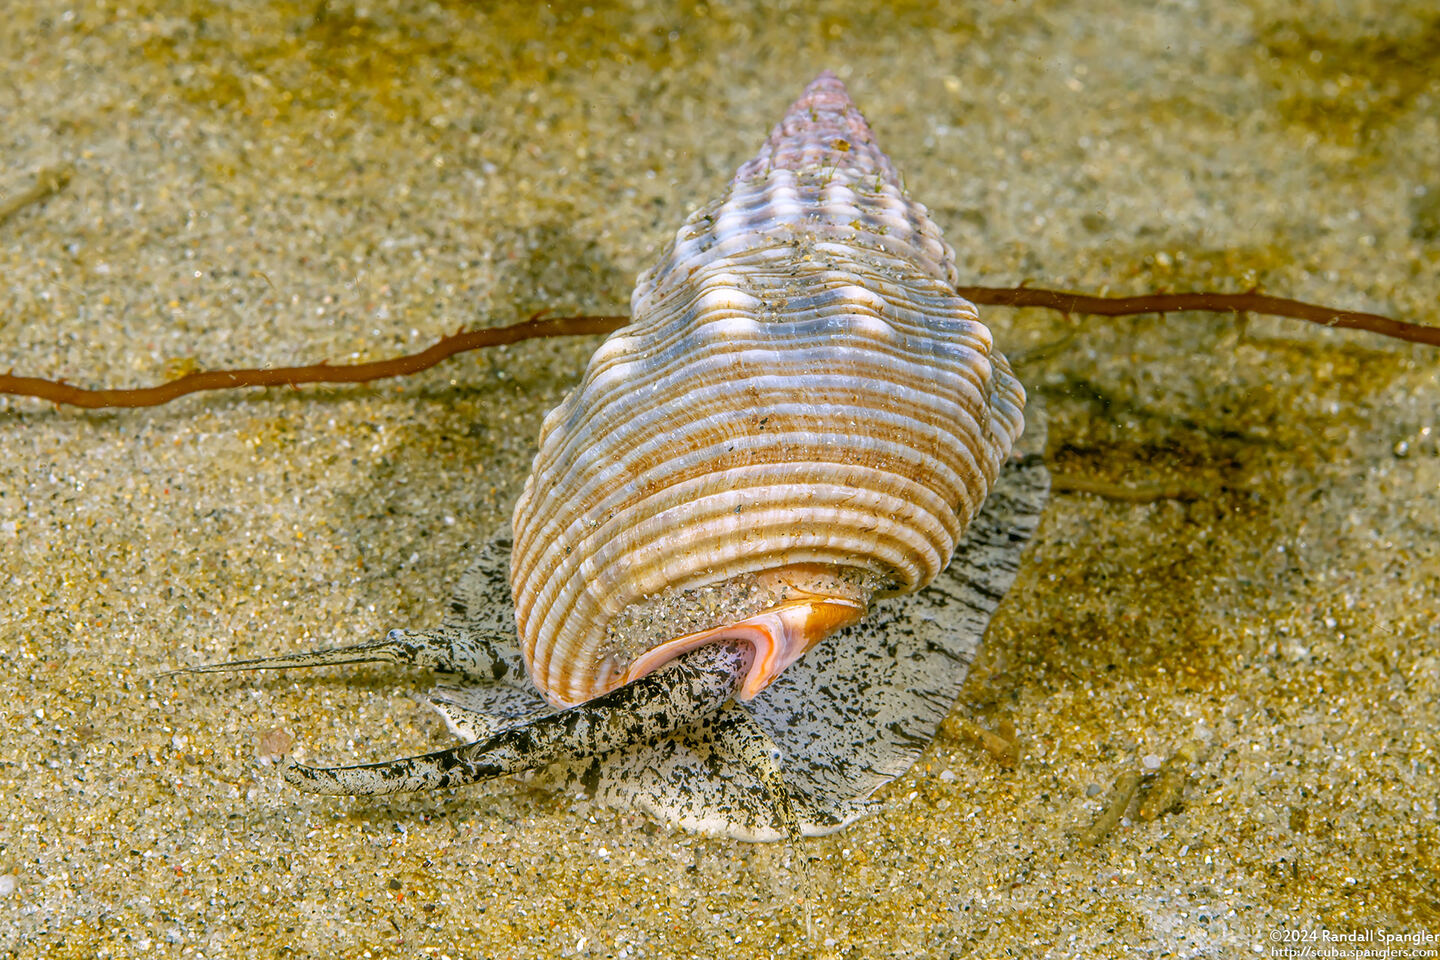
801,416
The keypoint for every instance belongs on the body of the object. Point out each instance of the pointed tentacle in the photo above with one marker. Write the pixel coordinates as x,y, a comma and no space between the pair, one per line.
744,741
469,655
689,688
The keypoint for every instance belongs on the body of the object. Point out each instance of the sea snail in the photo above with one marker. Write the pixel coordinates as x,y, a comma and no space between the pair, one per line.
730,598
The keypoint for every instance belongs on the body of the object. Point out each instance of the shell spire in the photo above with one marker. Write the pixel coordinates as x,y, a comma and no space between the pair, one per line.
823,128
801,415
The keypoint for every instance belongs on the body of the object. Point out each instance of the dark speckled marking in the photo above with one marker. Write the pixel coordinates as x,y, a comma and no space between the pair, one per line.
688,688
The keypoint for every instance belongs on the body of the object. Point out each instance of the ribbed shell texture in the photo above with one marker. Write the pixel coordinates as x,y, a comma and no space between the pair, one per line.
799,383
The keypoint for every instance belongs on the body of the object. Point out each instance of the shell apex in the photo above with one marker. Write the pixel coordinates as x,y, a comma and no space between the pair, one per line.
823,128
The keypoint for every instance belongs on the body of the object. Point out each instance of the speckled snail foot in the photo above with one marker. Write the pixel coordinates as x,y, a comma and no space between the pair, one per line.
763,536
691,688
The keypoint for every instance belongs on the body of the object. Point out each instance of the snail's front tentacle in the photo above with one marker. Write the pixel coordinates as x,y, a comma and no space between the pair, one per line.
740,739
469,654
743,742
689,688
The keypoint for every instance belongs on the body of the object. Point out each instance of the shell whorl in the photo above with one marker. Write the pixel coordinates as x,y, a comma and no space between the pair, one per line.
799,384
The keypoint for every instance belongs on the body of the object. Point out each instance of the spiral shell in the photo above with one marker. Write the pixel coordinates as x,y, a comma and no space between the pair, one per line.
801,415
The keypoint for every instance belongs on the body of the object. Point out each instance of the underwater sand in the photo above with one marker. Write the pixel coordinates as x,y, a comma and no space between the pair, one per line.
280,183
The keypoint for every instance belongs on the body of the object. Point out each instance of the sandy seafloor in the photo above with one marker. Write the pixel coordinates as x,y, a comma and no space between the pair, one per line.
277,183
